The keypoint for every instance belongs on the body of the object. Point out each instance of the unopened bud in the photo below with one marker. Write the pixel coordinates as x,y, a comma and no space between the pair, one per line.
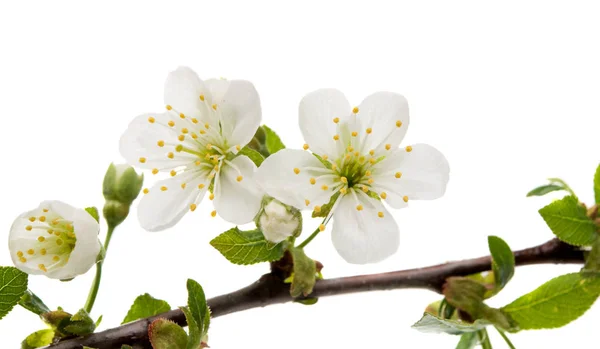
122,184
278,221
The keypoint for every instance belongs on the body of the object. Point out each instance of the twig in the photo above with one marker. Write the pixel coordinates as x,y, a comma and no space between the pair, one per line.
270,289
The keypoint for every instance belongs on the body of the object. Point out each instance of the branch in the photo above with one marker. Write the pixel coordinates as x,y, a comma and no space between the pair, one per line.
270,289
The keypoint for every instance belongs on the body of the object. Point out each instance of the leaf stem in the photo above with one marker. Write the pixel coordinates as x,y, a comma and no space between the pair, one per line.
505,337
89,304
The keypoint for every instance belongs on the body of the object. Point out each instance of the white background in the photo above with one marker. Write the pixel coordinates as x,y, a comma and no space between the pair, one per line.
507,91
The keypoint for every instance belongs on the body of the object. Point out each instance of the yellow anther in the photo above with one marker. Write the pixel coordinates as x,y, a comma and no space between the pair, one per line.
28,228
22,259
405,199
238,147
317,209
354,133
202,97
336,120
184,130
398,174
19,253
324,187
170,155
179,148
409,148
369,130
380,214
214,106
181,138
43,251
183,185
30,252
359,208
307,202
198,162
173,173
43,268
206,126
57,233
42,218
194,136
212,175
169,107
154,171
216,167
388,146
209,146
71,234
213,213
398,123
146,190
368,173
372,161
239,178
325,157
356,153
365,188
32,219
343,191
383,195
41,239
343,179
313,181
211,196
143,160
334,167
355,110
56,258
321,227
50,231
200,186
371,152
202,132
348,156
194,120
45,210
336,137
296,170
161,143
171,123
305,146
371,180
350,149
151,120
163,188
181,115
193,207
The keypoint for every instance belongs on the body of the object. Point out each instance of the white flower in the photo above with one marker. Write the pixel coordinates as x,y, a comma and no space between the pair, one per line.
277,222
362,168
56,240
196,141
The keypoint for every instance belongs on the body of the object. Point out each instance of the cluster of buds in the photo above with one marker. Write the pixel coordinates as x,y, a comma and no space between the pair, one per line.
121,187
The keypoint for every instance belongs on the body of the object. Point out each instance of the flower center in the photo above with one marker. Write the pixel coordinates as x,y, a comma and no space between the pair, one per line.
51,243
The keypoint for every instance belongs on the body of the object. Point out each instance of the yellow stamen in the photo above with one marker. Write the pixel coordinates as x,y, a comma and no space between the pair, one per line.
45,210
194,120
28,228
365,188
398,174
30,251
336,137
173,173
32,219
368,173
313,181
202,97
336,120
42,218
170,155
307,202
359,208
179,148
380,214
213,213
369,130
296,170
41,239
22,259
238,147
370,181
350,149
409,148
151,120
184,130
181,115
154,171
181,138
214,106
183,185
371,152
343,179
239,178
355,110
398,123
343,191
325,157
317,209
200,186
405,199
43,251
388,146
383,195
19,253
43,268
372,161
146,190
56,258
161,143
194,136
211,196
193,207
143,160
354,134
324,187
171,123
321,227
163,188
169,107
206,126
305,146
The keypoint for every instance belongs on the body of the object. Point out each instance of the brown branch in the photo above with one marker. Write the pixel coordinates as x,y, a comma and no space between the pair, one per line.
270,289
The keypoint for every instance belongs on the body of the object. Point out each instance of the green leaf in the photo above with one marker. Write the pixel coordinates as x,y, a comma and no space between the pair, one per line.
165,334
568,221
544,189
194,335
597,185
430,323
468,340
13,284
198,306
33,303
304,275
93,212
79,324
325,209
272,142
503,261
325,163
145,306
38,339
247,247
255,156
555,303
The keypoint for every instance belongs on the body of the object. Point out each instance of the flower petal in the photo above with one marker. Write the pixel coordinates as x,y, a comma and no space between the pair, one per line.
386,115
169,200
139,145
423,175
317,112
277,176
238,103
182,91
366,236
237,201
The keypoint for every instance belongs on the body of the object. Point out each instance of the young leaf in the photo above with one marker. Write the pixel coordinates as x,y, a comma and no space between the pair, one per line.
468,340
597,185
503,261
13,284
194,335
38,339
255,156
430,323
198,307
247,247
304,277
165,334
555,303
544,189
79,324
145,306
273,143
33,303
93,212
568,221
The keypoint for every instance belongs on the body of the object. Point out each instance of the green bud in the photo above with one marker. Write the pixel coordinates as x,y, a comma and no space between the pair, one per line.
122,184
278,221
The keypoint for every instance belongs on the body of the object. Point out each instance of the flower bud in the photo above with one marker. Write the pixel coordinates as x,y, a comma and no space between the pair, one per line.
278,221
121,186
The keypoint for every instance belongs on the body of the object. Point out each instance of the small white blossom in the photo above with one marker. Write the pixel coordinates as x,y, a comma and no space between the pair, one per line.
56,240
196,142
277,222
362,168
